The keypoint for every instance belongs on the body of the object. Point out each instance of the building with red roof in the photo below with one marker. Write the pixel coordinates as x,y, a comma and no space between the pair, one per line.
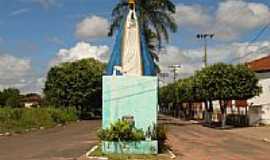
260,110
260,65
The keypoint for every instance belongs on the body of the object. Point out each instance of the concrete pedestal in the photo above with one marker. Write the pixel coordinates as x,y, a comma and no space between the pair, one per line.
130,96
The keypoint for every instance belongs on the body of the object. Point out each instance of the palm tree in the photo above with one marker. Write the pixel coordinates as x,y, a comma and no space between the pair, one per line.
155,18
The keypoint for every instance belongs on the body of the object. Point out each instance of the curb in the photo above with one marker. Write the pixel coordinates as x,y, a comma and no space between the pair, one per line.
173,156
266,140
94,157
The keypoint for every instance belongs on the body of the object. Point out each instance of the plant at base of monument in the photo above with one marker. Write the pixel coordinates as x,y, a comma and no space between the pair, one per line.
121,131
155,19
77,84
158,133
149,133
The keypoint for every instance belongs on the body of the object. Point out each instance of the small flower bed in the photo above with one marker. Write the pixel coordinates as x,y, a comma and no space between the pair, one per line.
124,132
121,131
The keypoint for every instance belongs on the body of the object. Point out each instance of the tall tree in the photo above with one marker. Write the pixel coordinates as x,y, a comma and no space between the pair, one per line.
222,82
10,97
155,19
75,84
226,82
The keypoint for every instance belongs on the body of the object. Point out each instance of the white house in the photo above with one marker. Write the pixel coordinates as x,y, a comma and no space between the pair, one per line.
259,113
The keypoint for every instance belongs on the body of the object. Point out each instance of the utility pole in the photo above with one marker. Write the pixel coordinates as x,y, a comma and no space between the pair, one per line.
174,69
204,37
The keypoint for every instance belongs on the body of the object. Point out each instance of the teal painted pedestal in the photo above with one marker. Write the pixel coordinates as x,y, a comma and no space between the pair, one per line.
131,96
141,147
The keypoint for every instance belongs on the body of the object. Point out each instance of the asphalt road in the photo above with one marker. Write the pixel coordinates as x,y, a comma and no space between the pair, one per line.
59,143
191,141
188,141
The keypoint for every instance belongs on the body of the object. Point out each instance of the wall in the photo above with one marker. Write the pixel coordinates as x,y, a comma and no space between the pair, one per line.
130,96
263,101
264,98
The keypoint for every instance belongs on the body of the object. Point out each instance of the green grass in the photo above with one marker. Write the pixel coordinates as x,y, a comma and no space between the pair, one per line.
98,153
19,120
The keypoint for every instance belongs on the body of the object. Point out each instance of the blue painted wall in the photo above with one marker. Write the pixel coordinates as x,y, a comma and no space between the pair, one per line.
130,96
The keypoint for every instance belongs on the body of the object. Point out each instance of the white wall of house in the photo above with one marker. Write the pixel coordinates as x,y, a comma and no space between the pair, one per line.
28,104
264,97
261,112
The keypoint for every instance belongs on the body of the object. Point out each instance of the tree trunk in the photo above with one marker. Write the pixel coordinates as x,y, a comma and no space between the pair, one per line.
223,108
211,110
206,113
177,111
190,110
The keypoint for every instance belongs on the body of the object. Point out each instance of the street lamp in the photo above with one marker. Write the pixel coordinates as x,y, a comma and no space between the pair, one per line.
174,69
204,37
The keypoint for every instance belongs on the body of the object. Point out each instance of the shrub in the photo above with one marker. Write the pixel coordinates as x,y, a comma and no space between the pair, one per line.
158,132
20,119
63,115
237,120
121,131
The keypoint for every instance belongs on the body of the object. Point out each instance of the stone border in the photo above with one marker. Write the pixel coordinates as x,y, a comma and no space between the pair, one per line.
94,157
87,155
173,156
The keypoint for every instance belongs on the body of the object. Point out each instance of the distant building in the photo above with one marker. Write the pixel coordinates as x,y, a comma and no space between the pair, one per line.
31,100
259,113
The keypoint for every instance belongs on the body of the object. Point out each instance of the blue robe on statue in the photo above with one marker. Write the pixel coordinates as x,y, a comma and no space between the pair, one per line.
115,59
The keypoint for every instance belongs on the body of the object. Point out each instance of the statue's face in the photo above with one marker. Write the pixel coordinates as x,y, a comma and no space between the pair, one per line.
131,6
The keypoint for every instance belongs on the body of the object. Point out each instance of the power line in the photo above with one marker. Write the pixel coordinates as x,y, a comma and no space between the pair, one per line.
251,42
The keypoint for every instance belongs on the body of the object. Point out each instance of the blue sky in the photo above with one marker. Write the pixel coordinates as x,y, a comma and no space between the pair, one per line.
37,34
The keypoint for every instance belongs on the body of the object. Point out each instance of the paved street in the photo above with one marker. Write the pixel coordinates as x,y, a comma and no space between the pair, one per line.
60,143
195,142
188,140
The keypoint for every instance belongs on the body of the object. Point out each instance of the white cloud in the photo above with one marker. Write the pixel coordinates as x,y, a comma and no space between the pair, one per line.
243,15
56,40
18,73
19,11
46,3
15,72
34,85
188,59
191,59
13,68
236,17
248,52
80,51
191,15
92,27
229,21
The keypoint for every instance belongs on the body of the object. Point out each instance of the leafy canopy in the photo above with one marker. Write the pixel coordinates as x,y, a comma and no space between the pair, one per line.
76,84
215,82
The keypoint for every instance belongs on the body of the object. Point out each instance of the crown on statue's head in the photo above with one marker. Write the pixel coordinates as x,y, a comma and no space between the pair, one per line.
131,1
132,4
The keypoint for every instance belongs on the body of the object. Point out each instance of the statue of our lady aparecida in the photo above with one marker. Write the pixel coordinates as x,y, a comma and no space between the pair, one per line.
129,88
130,55
131,48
